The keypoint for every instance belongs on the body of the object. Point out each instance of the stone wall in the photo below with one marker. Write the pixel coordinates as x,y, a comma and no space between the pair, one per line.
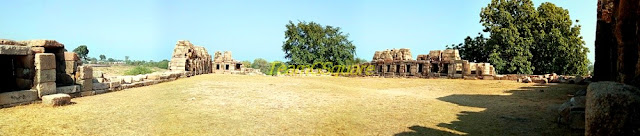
617,46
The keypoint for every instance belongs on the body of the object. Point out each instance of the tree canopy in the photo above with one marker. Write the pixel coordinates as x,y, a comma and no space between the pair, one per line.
526,40
82,51
309,42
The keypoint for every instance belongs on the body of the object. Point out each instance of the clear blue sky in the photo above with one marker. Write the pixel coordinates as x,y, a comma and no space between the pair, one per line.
148,30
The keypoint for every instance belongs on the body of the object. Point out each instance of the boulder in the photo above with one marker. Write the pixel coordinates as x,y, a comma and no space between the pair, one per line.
527,80
612,109
56,99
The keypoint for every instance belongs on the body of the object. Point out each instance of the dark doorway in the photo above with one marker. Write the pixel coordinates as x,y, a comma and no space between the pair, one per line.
419,68
238,66
226,67
217,66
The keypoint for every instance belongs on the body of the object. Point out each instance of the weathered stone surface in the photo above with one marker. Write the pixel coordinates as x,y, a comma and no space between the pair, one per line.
37,50
8,42
43,76
86,84
70,56
84,72
70,67
14,50
14,97
617,45
612,109
68,89
100,86
46,88
56,99
45,61
87,93
101,91
43,43
114,84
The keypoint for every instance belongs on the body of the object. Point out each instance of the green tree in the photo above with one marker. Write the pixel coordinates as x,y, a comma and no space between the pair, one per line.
307,43
126,59
262,64
526,40
510,24
558,46
102,57
246,63
82,51
473,49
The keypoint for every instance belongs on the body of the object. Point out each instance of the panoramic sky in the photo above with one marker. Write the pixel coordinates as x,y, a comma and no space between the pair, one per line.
148,30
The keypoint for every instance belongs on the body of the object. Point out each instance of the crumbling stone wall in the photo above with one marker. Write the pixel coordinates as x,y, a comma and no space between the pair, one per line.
224,63
187,57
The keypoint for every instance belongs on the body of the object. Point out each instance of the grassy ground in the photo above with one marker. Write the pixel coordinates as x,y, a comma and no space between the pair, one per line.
262,105
119,70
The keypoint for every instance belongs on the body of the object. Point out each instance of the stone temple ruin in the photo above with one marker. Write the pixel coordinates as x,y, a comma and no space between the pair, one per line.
33,69
187,57
436,64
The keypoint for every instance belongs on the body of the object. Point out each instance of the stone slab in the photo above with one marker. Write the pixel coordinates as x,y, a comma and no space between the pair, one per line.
14,50
84,72
43,43
100,86
87,93
70,56
45,61
56,99
85,84
18,97
68,89
43,76
46,88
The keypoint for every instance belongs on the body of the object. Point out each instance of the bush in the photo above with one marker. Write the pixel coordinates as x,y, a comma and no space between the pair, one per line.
138,71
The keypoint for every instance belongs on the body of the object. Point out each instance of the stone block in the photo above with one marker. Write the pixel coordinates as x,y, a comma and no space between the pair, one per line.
43,43
70,67
37,50
154,76
100,86
14,50
86,84
45,61
101,91
84,72
14,97
114,84
46,88
68,89
43,76
56,99
70,56
87,93
612,109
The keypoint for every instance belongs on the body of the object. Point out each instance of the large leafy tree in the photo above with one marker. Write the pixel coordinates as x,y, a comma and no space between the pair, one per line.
82,51
526,40
510,24
309,42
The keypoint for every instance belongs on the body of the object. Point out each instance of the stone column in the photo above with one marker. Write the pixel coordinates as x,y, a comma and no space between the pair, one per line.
45,79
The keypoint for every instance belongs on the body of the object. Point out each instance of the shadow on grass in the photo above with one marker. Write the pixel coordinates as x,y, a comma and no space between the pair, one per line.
527,111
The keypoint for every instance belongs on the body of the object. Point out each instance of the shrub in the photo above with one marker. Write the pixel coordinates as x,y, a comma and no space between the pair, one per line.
138,71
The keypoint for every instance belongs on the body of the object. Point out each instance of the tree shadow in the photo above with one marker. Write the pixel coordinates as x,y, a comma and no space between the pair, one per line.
423,131
527,111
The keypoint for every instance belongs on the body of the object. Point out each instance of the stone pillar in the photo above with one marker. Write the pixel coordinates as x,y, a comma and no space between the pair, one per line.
45,79
84,78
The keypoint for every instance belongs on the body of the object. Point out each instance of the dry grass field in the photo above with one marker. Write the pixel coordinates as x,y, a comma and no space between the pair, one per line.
119,70
261,105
